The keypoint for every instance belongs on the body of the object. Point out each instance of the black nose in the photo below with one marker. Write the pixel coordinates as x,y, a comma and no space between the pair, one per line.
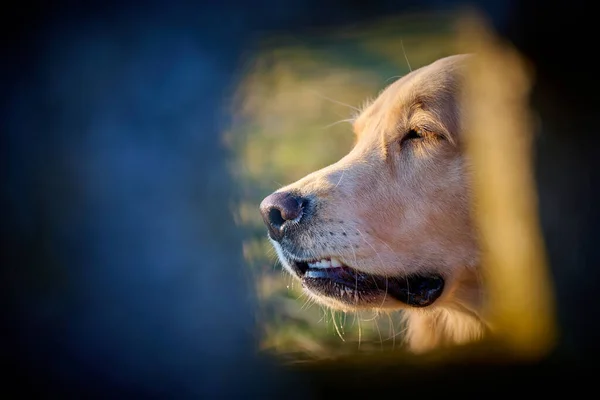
279,208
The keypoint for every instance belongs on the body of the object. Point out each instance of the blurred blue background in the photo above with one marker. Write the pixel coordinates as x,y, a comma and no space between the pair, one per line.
123,266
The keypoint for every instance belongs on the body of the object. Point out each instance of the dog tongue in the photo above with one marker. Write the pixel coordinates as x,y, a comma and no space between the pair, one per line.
343,275
323,273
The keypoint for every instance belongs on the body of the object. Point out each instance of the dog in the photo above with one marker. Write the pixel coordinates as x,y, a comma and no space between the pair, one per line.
389,226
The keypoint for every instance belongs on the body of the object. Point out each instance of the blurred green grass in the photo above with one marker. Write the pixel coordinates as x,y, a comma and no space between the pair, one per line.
289,113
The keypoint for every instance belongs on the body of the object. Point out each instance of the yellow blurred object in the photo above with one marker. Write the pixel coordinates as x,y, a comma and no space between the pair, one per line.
499,132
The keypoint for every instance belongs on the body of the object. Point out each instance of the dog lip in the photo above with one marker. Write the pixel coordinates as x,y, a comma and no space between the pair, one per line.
418,290
299,267
347,284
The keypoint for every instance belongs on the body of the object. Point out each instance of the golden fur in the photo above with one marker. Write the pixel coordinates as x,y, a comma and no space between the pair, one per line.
393,206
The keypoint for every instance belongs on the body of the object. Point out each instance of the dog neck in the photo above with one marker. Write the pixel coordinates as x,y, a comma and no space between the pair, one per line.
454,322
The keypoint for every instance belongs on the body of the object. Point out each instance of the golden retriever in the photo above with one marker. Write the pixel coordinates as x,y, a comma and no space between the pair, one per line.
389,225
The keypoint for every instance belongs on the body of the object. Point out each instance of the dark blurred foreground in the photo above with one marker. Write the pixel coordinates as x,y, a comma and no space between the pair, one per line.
122,268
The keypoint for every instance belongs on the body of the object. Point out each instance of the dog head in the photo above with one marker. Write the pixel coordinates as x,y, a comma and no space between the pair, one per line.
389,225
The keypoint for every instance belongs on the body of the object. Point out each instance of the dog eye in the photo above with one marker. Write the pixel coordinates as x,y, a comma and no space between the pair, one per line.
414,134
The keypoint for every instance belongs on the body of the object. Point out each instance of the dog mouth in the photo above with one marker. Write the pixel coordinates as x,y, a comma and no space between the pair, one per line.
328,277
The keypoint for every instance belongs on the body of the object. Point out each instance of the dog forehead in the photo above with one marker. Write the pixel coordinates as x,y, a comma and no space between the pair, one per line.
427,85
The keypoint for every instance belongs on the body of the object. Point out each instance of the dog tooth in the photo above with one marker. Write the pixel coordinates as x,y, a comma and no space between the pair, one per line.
335,262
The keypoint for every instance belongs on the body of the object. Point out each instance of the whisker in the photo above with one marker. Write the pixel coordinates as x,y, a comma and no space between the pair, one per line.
324,315
375,315
379,332
405,275
393,77
380,260
385,243
393,329
335,101
405,57
355,262
386,291
398,334
348,120
340,180
359,332
335,326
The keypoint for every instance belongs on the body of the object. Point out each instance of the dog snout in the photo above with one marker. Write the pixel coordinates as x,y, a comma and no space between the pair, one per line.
279,209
